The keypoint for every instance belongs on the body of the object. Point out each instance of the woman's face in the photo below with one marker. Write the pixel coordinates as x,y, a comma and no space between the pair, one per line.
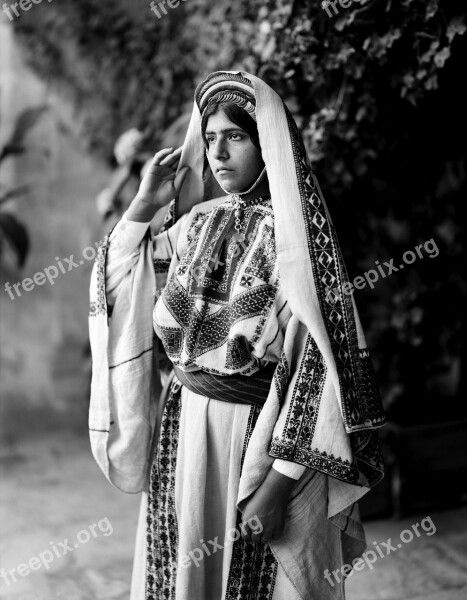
235,161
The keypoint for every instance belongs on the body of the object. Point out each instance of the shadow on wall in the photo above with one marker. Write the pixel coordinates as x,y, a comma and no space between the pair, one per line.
44,304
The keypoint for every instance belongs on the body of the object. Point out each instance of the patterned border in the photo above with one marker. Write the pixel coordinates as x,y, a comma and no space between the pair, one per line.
214,78
306,397
281,378
99,306
253,567
315,459
162,528
361,402
296,444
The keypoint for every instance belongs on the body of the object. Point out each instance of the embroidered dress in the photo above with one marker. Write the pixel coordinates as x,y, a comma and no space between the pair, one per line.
227,308
232,324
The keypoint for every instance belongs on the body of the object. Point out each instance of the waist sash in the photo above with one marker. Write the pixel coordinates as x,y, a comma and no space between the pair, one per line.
241,389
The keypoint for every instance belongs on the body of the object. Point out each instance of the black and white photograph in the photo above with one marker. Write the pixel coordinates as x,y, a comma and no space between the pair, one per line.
232,276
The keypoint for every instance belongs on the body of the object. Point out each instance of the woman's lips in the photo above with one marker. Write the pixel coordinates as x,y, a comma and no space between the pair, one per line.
223,171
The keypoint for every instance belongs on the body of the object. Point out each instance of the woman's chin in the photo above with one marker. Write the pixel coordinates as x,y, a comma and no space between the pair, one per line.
228,184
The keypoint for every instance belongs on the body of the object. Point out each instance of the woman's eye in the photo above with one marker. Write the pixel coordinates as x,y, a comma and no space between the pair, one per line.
210,140
234,136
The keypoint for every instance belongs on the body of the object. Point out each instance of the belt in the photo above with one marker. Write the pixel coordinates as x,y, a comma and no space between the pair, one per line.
240,389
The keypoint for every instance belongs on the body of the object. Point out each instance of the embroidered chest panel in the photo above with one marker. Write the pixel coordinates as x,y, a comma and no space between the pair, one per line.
218,283
215,258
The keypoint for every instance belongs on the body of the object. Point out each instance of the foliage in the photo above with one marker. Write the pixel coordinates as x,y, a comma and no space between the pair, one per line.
14,238
375,92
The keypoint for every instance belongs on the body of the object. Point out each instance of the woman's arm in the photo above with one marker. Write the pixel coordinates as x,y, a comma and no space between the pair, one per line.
269,502
125,246
268,505
158,187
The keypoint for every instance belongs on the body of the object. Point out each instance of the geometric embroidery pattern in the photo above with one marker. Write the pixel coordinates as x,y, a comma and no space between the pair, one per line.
202,332
200,297
361,402
161,524
238,354
296,443
100,306
172,340
306,397
264,257
247,280
253,567
281,378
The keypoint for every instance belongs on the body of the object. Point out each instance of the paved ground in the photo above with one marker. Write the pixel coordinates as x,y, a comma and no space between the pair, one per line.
52,490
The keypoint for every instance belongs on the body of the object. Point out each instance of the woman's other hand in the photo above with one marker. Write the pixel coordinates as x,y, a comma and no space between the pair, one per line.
267,509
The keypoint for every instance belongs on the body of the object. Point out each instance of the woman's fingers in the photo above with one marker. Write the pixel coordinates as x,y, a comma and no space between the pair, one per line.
172,158
258,536
161,155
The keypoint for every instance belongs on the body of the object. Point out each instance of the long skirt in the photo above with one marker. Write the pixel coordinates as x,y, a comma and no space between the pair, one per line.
188,543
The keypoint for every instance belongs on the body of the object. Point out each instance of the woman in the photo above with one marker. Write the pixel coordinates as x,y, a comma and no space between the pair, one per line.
265,433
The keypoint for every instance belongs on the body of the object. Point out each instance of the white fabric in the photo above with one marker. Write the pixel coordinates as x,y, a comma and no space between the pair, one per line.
124,386
130,234
288,468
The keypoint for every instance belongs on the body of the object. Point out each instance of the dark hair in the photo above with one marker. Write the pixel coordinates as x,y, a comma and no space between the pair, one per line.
234,113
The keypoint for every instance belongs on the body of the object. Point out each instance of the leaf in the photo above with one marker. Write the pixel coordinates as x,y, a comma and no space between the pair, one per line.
441,57
431,9
432,83
24,123
360,113
16,234
15,193
456,27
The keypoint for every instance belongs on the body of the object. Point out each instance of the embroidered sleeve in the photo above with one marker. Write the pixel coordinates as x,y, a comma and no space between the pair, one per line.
301,380
124,248
309,430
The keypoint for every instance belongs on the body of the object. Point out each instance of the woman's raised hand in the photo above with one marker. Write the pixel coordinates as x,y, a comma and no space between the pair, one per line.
160,183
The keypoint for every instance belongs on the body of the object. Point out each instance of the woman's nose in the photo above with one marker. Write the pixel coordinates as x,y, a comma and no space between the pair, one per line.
219,151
